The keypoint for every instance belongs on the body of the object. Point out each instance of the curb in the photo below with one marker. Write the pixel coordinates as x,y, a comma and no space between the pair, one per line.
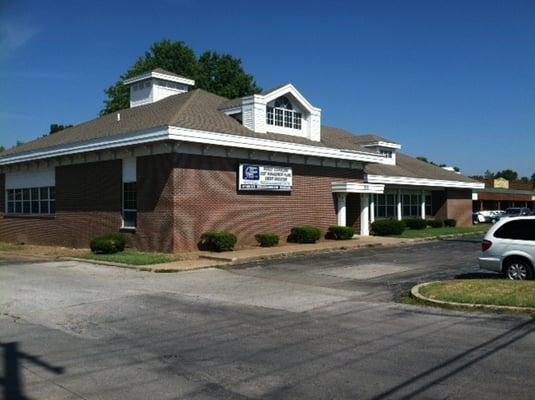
415,292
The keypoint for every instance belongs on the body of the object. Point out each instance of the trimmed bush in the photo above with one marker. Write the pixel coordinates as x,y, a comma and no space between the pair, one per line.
304,234
435,223
388,227
108,244
416,223
218,241
340,232
267,239
450,222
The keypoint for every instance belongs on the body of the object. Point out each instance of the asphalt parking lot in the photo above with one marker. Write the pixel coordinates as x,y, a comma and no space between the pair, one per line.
316,327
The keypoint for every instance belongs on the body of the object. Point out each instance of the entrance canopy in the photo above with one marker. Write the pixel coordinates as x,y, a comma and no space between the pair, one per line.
357,187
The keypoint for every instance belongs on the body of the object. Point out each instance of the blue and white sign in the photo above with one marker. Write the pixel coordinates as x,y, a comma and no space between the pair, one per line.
265,177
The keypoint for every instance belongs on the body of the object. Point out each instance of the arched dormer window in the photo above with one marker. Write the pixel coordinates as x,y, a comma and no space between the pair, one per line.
283,114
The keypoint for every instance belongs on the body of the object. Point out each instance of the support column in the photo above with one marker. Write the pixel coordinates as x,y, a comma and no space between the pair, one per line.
423,204
364,215
372,208
341,210
398,209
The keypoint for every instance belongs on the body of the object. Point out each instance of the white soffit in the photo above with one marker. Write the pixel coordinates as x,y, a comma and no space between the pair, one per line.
357,187
402,180
197,136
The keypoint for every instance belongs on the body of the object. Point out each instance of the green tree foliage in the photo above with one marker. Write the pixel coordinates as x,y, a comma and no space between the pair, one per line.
533,178
489,174
2,149
524,179
57,127
508,174
424,159
221,74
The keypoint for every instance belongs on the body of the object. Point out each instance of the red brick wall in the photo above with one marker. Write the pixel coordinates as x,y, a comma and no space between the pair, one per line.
206,198
88,204
179,198
459,206
2,193
155,201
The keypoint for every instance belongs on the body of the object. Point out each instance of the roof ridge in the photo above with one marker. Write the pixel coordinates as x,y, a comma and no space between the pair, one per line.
194,93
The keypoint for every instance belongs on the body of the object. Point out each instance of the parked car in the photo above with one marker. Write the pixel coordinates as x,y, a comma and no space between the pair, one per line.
478,218
517,211
509,248
492,216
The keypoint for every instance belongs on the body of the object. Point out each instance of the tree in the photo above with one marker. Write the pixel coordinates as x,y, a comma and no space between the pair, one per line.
508,174
424,159
533,178
57,127
221,74
489,174
2,149
524,179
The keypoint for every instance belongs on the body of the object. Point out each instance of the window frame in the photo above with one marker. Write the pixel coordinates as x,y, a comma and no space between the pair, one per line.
38,201
132,200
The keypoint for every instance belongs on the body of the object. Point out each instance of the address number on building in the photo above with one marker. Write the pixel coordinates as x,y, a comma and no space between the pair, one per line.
265,177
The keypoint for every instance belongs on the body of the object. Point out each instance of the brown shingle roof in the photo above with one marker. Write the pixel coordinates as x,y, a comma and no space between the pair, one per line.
365,139
407,166
197,109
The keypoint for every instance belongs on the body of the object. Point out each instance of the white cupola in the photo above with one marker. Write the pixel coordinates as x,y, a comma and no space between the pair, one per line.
156,85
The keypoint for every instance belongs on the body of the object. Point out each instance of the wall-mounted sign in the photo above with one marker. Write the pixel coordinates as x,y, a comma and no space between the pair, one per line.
265,177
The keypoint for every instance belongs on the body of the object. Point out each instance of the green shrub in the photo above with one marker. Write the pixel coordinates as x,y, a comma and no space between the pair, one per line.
450,222
267,239
340,232
218,241
388,227
108,244
435,223
416,223
304,234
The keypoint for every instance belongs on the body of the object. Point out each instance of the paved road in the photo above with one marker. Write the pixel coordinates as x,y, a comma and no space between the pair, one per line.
322,327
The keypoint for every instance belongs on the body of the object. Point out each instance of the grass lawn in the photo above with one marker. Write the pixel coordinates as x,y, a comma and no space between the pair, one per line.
437,232
483,291
131,257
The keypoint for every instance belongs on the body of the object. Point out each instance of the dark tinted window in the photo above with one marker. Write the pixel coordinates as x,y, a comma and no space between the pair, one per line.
523,229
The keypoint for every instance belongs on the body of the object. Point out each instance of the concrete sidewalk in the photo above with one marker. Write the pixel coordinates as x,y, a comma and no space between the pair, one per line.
229,258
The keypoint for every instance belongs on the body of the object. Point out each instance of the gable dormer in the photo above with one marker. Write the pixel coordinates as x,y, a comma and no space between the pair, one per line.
281,110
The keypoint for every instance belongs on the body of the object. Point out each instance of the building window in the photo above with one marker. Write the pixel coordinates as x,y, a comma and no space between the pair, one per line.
386,153
385,206
129,205
283,114
428,205
28,201
269,115
410,205
278,116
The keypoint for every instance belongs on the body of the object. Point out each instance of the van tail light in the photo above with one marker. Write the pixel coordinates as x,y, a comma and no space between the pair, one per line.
485,245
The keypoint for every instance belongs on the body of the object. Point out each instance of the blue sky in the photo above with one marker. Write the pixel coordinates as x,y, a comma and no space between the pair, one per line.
450,80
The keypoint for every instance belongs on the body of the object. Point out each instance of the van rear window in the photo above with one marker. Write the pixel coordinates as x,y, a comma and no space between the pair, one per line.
521,229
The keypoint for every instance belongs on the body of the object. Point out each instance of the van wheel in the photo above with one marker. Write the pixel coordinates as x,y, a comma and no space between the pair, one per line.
518,269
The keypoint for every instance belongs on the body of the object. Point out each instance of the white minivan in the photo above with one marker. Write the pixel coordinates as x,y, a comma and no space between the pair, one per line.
509,248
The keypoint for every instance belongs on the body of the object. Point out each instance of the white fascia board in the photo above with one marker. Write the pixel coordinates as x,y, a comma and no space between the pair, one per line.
390,145
159,75
403,180
94,145
196,136
289,88
246,142
357,187
232,110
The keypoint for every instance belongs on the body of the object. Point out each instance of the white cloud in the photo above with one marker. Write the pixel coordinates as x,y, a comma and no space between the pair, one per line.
14,35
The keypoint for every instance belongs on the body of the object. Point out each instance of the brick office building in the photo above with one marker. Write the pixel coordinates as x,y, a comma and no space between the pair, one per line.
501,194
178,163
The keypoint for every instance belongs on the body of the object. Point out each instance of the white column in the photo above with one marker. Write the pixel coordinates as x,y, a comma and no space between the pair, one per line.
341,213
423,204
398,214
372,208
364,215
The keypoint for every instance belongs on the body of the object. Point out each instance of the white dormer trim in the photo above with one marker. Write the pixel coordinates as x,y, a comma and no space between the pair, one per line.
159,75
390,145
284,90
